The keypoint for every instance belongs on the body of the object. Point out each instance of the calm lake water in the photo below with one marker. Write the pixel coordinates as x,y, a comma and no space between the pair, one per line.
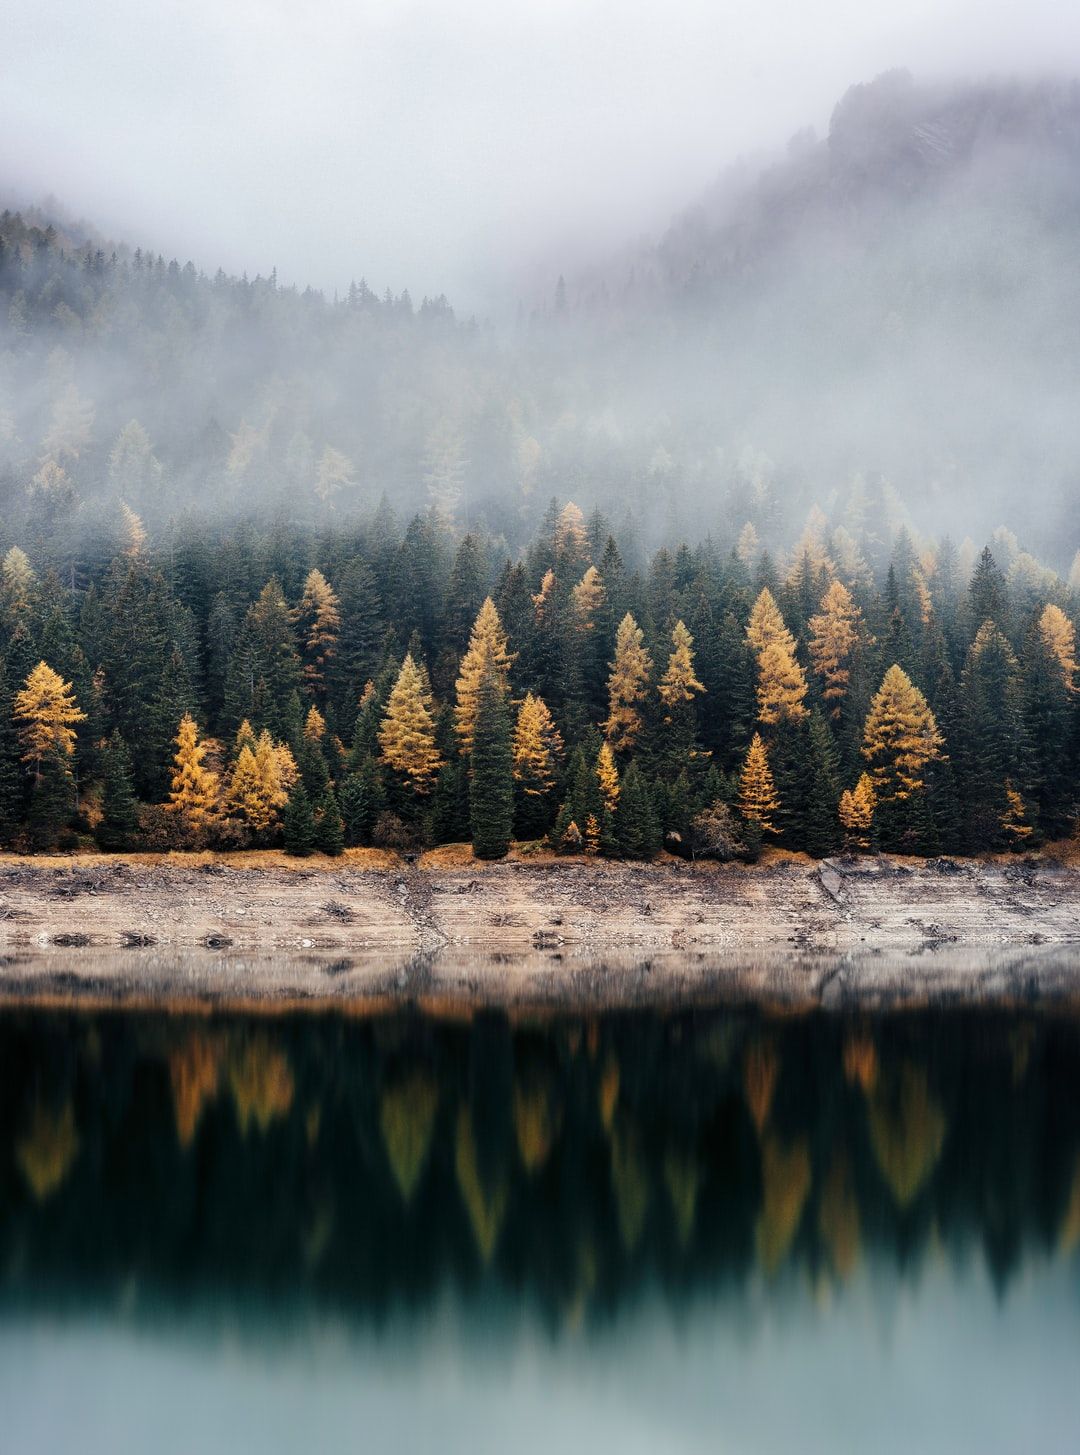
711,1231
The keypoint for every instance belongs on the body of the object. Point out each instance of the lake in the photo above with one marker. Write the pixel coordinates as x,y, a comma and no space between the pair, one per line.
721,1229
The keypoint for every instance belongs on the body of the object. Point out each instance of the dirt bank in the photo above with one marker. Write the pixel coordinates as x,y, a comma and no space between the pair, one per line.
369,925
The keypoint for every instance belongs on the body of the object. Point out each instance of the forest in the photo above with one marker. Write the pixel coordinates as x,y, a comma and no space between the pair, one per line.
406,685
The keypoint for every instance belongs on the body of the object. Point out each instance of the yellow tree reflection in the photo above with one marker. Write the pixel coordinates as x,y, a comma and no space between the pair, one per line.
907,1131
45,1154
407,1120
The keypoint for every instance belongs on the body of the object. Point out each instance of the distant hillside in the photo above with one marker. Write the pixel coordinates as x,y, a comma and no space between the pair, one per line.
890,314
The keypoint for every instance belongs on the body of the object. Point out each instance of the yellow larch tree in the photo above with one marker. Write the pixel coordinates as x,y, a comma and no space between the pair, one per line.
834,635
758,799
626,686
857,811
570,530
679,682
587,599
487,653
407,731
46,712
781,685
900,738
537,747
1059,638
748,545
132,531
607,776
319,621
194,793
314,725
261,780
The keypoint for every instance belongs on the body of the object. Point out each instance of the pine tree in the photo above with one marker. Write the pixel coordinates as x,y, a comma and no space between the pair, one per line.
993,746
758,801
119,811
299,823
491,793
195,792
319,623
626,686
11,777
818,831
636,824
834,637
329,826
407,734
487,654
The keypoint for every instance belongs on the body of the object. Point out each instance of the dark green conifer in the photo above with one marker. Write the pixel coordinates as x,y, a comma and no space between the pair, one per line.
119,810
298,826
491,788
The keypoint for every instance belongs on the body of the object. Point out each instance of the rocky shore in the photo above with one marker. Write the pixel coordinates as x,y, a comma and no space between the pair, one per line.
264,928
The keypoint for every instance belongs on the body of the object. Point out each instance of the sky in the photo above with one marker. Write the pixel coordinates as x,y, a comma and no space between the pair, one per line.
460,147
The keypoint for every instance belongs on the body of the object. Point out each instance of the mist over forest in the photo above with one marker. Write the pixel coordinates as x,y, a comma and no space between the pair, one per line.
882,323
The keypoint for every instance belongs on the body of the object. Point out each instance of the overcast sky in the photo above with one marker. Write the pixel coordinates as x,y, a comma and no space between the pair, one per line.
442,146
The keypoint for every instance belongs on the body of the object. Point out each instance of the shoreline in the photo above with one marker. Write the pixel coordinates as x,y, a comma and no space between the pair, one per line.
204,930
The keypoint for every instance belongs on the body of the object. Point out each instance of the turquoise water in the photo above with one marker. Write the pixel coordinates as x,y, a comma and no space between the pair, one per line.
720,1231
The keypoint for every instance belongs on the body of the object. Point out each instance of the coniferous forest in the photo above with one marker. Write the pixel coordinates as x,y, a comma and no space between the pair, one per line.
404,684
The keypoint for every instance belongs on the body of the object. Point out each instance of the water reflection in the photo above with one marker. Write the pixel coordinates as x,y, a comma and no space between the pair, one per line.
367,1165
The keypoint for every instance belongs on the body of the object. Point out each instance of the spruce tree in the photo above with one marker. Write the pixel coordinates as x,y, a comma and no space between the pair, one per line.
329,827
491,788
11,775
119,810
298,825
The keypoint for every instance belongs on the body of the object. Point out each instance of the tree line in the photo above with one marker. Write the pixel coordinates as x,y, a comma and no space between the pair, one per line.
407,688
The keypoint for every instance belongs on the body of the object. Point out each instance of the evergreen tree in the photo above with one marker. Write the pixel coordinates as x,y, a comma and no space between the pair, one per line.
299,823
993,758
11,778
491,794
636,825
119,813
329,826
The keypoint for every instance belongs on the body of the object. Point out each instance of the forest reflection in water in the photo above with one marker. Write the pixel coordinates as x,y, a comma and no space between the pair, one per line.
574,1179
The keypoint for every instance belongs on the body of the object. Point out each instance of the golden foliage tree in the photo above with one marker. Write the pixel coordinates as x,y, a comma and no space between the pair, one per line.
570,530
607,776
834,635
195,789
587,599
1059,637
314,725
758,799
900,738
626,686
259,785
857,811
487,653
537,747
46,712
319,621
407,731
679,682
781,685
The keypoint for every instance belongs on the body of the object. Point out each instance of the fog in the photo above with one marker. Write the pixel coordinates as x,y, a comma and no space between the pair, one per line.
466,149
